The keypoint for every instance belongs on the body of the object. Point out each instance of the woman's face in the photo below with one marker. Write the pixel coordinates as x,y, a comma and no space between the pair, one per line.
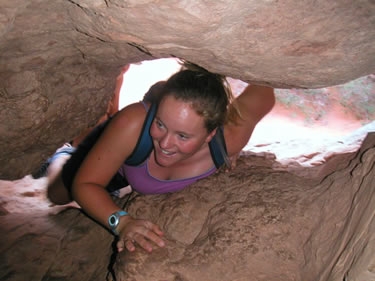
178,132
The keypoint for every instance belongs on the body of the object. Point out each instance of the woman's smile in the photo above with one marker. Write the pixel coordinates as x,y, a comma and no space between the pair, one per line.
164,153
167,152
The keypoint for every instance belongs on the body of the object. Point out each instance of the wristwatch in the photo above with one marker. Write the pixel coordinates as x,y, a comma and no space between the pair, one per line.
114,219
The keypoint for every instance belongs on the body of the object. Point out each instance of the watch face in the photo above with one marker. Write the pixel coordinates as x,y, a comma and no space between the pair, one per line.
113,220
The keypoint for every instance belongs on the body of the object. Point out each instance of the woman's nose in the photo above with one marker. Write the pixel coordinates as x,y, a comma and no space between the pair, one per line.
166,141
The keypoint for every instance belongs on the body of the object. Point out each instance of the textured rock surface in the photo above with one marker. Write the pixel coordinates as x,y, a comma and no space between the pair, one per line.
42,247
260,224
59,59
255,223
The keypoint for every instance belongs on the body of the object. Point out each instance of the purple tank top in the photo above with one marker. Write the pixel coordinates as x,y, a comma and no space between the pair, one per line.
141,181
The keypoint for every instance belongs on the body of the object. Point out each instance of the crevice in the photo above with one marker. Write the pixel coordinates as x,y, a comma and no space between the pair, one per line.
140,48
75,3
89,35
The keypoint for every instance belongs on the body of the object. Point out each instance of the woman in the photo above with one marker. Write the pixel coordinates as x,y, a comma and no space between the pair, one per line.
194,106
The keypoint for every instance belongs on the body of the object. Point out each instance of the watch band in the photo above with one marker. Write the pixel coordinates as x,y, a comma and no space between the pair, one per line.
114,220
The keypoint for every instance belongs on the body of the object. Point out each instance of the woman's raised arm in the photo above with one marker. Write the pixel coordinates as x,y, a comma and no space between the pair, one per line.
253,104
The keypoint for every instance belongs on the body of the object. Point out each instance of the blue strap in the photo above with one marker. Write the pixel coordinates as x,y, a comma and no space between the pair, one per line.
218,149
144,145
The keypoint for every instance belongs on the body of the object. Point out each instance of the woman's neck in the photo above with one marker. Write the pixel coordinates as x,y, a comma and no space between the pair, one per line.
195,165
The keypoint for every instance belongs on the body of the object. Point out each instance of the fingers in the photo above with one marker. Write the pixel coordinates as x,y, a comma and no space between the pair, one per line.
140,232
155,228
152,233
128,244
144,243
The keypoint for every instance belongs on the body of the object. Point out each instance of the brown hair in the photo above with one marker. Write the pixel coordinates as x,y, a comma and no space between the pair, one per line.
209,94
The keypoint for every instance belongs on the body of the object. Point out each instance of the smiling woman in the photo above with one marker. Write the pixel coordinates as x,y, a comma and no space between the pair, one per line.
185,129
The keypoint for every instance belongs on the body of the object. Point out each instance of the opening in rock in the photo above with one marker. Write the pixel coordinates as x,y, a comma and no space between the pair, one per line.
303,126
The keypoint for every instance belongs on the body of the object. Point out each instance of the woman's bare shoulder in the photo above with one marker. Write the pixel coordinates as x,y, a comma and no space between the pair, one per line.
121,134
125,127
131,116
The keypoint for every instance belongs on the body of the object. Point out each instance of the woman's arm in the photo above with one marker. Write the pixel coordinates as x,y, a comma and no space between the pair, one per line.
104,159
253,104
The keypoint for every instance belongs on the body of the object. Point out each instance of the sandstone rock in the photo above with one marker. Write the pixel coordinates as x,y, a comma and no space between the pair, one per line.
260,224
254,223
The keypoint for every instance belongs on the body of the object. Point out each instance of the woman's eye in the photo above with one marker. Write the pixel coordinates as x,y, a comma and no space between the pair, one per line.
159,124
183,137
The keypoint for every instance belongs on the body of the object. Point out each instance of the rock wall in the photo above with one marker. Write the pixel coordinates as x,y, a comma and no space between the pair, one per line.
254,223
59,59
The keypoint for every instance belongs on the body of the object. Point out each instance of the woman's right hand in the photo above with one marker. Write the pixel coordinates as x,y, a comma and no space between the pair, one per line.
142,232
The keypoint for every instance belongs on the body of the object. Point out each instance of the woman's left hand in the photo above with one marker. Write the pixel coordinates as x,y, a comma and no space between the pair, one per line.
142,232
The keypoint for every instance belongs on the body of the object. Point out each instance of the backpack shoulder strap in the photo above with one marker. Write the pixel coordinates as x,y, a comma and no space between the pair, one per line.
144,145
218,149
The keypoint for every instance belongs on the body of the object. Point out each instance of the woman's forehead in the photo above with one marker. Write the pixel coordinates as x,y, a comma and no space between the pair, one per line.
179,115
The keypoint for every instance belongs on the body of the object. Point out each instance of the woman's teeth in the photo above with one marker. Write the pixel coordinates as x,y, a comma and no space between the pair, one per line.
166,152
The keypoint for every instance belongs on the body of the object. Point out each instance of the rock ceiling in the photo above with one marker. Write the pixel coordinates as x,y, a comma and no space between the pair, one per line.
59,59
